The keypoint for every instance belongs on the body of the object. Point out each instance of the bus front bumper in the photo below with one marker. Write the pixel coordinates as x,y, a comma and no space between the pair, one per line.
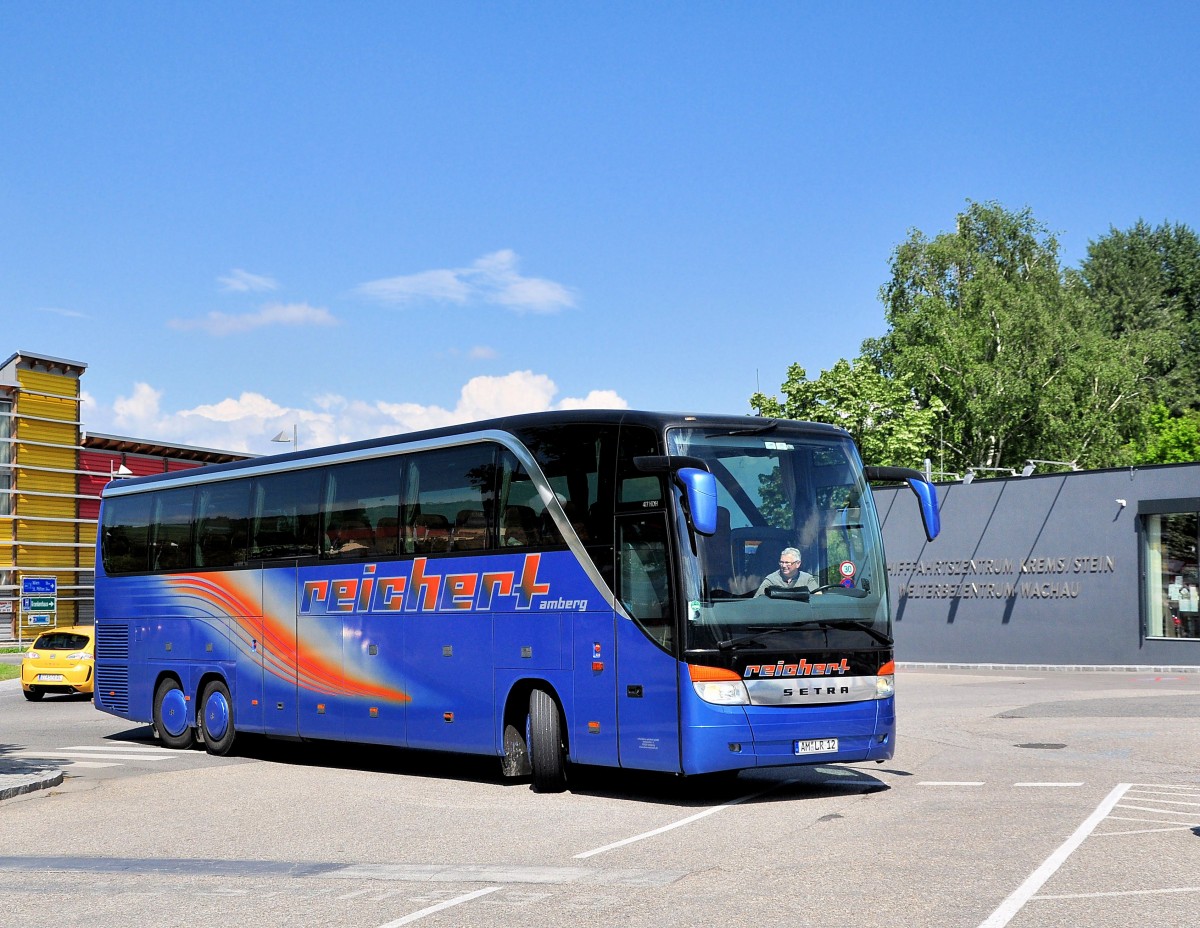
739,737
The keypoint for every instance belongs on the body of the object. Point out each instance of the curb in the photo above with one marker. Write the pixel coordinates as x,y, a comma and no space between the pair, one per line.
22,783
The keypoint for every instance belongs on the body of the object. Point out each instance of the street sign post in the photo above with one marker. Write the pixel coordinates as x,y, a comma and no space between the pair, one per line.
39,603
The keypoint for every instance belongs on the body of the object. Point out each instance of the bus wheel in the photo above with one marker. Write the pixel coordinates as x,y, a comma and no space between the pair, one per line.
546,753
171,716
217,719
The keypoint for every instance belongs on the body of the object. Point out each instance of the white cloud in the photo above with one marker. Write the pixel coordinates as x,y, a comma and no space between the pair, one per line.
142,406
247,422
481,353
273,314
67,313
239,281
490,279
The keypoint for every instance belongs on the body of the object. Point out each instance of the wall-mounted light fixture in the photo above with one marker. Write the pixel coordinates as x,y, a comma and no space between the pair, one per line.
1032,463
972,472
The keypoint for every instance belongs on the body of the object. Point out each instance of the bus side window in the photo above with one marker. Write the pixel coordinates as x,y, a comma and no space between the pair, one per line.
524,520
125,541
644,575
285,522
455,491
362,509
222,520
171,530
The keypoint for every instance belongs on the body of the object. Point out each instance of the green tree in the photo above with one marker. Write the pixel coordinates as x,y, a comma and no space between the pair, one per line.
1144,283
881,413
1166,438
984,321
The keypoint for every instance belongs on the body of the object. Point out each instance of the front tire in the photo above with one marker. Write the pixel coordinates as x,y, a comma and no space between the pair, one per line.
171,716
547,754
217,719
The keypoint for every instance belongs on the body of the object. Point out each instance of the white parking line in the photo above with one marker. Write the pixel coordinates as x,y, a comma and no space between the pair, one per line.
1126,892
951,783
1023,893
152,758
1049,784
90,764
683,821
449,903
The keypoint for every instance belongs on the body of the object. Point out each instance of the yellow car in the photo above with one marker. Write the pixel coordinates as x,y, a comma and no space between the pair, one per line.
59,661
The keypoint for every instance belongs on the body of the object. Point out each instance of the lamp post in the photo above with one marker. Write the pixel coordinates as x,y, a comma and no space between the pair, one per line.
294,438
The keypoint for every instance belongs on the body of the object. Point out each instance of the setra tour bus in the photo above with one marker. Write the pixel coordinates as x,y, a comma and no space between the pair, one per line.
678,593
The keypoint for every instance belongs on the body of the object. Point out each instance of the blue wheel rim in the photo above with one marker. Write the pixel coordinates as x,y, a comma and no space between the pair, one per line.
216,715
174,713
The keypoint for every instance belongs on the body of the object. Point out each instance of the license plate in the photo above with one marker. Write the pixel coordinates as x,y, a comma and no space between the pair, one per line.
50,677
817,746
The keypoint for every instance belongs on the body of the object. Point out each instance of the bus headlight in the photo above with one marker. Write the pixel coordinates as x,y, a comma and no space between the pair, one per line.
723,692
718,685
885,682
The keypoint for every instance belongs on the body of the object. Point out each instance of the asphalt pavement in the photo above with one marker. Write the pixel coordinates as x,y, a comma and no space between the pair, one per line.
18,777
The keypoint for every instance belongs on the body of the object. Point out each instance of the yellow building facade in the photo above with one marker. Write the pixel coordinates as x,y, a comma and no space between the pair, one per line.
52,472
43,541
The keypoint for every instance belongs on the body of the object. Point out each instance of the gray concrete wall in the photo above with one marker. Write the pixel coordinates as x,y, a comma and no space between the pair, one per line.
1031,570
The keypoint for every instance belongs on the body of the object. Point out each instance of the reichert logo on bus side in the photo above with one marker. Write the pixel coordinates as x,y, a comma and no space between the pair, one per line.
800,669
421,586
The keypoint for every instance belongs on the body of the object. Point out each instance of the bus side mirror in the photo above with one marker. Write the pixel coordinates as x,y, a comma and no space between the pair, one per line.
698,484
927,498
700,488
925,491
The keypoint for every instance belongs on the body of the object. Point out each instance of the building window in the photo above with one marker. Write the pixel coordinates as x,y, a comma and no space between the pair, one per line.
5,457
1171,543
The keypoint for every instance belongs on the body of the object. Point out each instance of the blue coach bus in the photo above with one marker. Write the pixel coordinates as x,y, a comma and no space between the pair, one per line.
679,593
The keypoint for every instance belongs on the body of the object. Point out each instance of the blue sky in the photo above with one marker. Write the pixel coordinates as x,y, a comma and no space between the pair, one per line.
363,218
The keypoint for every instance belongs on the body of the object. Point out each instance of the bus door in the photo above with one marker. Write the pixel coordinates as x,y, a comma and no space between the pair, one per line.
248,670
647,675
319,636
278,648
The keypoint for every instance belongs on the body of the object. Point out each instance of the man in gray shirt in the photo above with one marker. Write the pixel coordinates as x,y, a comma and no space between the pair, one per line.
789,576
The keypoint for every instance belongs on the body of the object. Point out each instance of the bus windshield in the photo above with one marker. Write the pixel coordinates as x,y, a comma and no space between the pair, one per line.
796,558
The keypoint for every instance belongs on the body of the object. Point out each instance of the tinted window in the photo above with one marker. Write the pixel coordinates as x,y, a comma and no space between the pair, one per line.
573,458
171,530
61,641
524,521
125,537
285,522
362,512
223,524
453,491
644,581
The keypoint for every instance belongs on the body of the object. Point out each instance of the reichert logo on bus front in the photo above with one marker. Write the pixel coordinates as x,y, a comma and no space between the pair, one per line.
801,669
426,590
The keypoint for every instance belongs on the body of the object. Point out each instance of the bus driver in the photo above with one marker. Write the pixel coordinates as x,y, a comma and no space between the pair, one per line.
789,575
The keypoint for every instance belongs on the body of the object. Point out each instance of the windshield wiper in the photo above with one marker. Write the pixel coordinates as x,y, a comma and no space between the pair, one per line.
747,639
824,624
770,426
803,594
853,623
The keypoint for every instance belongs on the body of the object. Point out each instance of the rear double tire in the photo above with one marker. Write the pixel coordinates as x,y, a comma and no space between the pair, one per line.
547,751
171,715
216,717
